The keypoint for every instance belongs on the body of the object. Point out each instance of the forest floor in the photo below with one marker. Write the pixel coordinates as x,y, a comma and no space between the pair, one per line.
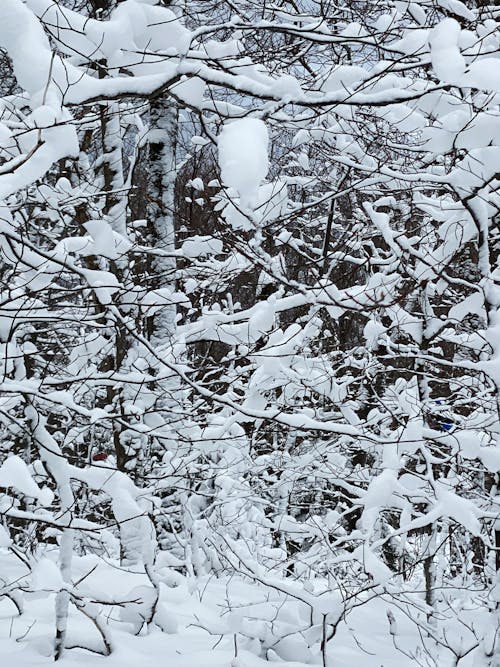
199,628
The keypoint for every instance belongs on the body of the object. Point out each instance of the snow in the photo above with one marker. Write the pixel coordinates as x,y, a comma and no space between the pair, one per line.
14,473
198,246
147,26
306,450
372,331
345,77
243,157
373,565
459,8
47,576
193,636
104,284
459,509
106,242
5,540
484,74
270,203
447,61
32,67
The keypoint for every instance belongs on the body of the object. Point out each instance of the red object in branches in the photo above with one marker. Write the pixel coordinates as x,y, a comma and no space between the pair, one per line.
99,456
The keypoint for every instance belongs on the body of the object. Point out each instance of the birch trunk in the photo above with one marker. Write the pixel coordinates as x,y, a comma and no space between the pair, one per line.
56,465
162,173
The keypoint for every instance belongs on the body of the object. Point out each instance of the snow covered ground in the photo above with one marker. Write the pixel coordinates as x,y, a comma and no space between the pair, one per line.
199,625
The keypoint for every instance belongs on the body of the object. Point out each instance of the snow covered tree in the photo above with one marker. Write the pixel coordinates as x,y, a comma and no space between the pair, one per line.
249,319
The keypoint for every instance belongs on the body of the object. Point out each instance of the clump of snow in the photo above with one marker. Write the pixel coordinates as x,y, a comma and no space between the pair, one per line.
5,540
270,202
447,61
198,246
345,77
107,242
15,474
243,157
